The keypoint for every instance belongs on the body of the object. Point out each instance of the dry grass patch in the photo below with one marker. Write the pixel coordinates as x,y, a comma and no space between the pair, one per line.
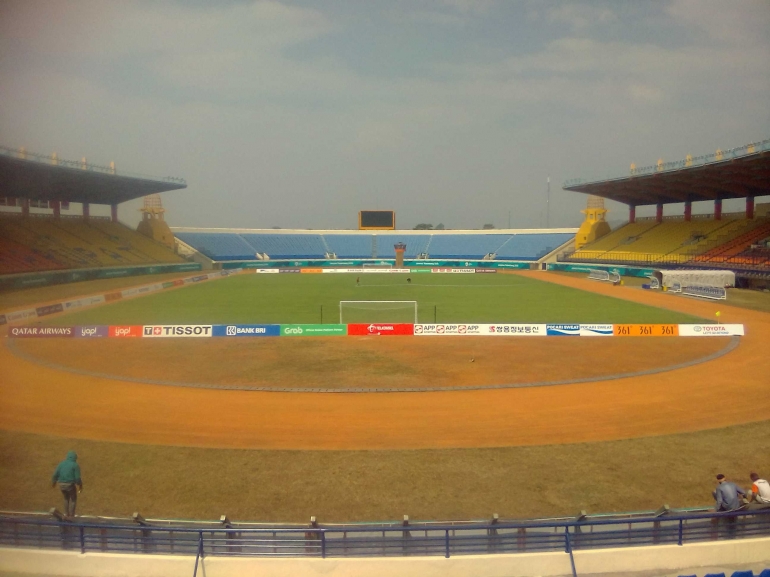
516,482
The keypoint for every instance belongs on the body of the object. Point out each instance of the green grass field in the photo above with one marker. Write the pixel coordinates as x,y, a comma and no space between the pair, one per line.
295,298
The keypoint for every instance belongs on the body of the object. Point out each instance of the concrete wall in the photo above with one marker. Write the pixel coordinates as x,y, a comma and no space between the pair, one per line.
667,558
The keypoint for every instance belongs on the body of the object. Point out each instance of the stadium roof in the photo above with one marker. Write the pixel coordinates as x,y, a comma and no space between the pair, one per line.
736,173
37,177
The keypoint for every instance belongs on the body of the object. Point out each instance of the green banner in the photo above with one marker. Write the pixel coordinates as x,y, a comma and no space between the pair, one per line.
69,276
313,330
586,268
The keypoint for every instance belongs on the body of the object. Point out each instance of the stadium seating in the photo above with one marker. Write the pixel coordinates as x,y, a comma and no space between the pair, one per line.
679,241
219,245
466,245
531,246
350,245
244,246
286,245
37,244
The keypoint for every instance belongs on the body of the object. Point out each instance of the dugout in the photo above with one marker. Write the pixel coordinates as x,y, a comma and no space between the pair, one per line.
713,278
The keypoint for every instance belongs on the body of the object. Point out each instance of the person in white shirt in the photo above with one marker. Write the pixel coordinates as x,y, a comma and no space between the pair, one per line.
760,490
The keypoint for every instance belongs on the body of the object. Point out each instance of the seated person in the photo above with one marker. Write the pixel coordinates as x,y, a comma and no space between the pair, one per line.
760,490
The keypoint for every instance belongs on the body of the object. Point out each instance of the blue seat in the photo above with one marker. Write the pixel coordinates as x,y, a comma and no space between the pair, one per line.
350,245
532,246
458,246
714,575
765,573
742,574
282,246
218,246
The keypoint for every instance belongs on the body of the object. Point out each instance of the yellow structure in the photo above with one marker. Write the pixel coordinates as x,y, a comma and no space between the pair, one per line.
153,224
594,226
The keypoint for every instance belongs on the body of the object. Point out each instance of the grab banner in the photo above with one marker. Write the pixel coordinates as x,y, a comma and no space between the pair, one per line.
313,330
380,329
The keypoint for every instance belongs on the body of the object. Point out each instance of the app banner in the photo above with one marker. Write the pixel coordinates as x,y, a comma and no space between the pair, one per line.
126,331
646,330
21,332
176,331
515,330
292,270
381,329
447,329
313,330
199,278
246,330
267,271
711,330
94,331
49,309
563,330
597,330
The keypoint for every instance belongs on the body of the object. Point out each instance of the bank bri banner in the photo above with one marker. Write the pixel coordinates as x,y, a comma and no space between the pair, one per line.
246,330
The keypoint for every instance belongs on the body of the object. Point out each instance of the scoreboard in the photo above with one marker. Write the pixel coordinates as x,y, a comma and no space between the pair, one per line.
376,220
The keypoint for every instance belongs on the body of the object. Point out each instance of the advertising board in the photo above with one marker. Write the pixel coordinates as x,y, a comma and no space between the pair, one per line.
313,330
37,332
711,330
596,330
646,330
3,320
92,331
563,330
447,329
288,270
84,302
487,270
109,297
160,331
21,315
514,330
246,330
267,271
49,309
380,329
125,331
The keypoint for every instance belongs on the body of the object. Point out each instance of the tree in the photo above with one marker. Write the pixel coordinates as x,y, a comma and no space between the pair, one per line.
440,226
424,226
488,227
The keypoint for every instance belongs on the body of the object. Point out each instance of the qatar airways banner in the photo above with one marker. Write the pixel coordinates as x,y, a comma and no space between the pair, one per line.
38,332
380,329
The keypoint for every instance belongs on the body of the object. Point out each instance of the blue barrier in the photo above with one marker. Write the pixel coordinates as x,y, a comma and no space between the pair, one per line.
395,540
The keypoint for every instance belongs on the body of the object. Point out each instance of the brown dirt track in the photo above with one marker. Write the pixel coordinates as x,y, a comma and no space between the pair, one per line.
730,390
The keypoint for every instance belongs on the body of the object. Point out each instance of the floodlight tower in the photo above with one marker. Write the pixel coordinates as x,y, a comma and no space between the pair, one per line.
400,250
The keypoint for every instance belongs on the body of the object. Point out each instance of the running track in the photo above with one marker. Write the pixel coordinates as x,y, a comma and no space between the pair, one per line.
730,390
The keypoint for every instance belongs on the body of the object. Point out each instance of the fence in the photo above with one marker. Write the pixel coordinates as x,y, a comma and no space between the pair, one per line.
741,262
401,540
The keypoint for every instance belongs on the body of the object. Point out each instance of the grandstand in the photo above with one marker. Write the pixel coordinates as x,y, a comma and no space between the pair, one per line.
714,240
245,244
47,240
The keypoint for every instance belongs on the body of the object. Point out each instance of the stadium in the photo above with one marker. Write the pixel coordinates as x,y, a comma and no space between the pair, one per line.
166,346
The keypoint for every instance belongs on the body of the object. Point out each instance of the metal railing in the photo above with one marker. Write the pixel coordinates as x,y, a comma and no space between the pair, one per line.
759,262
80,165
689,162
384,541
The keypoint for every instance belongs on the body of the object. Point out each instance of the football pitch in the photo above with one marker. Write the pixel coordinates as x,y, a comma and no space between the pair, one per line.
315,298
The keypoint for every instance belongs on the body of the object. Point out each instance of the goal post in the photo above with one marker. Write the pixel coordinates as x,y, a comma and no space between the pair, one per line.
378,312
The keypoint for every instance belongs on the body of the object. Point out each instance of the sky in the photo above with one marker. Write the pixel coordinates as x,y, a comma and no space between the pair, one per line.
300,114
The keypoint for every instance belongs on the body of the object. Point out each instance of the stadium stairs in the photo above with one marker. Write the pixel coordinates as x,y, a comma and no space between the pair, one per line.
33,244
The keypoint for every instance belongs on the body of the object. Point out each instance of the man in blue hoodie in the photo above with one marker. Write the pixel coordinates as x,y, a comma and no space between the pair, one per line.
67,475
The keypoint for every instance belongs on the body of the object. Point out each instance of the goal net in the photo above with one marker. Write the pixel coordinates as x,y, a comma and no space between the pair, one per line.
378,312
